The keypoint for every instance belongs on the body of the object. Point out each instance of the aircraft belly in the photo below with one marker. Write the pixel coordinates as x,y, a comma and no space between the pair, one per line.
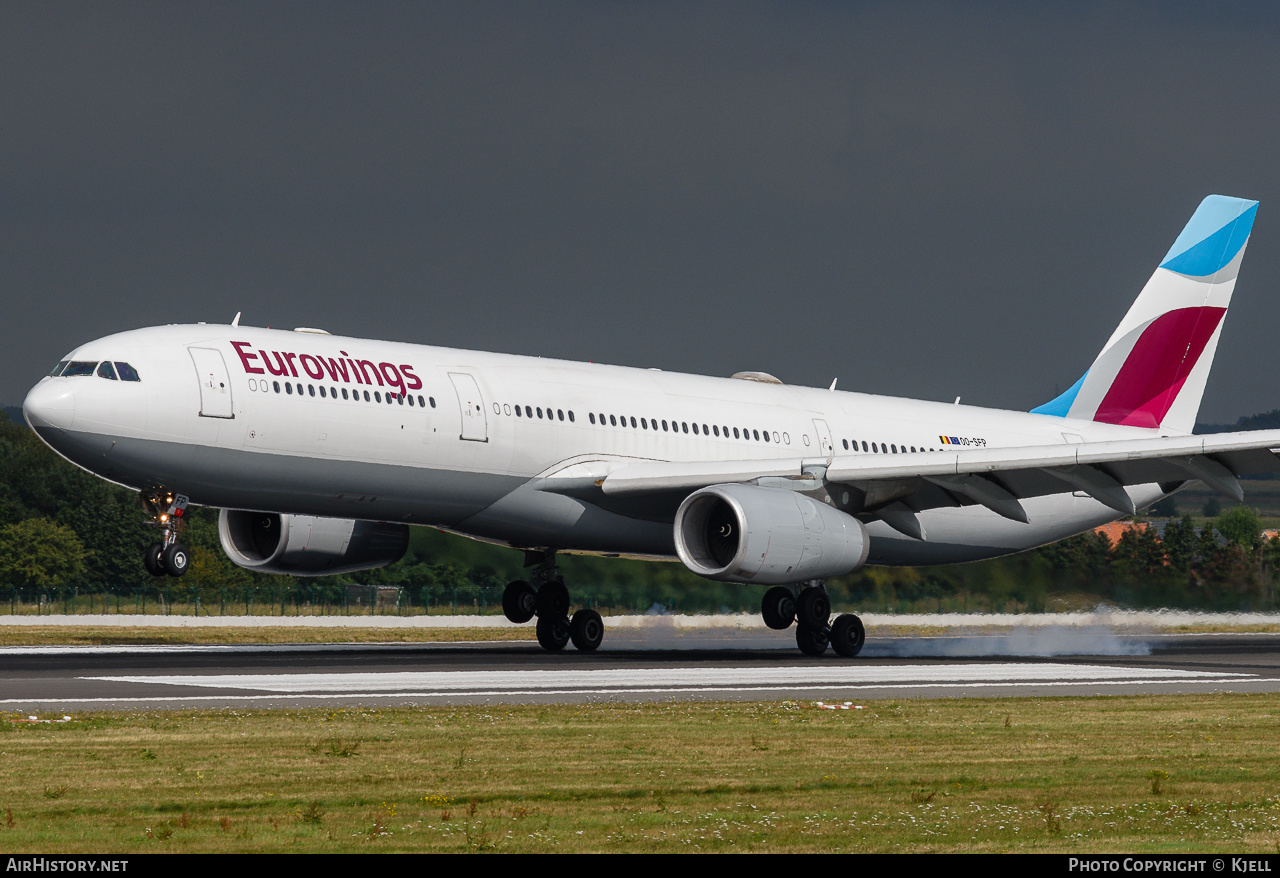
971,533
233,478
533,518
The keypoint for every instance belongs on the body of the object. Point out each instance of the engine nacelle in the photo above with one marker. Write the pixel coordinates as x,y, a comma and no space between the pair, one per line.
746,533
304,545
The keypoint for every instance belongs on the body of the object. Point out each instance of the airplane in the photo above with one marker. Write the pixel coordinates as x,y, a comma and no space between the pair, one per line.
321,450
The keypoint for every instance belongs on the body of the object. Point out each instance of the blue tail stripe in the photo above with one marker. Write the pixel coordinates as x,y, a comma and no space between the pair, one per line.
1213,237
1061,404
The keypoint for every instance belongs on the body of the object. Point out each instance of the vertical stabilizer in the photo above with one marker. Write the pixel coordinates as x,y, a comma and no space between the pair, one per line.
1153,369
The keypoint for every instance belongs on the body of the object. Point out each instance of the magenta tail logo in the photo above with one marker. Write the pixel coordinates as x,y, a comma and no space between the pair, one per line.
1163,355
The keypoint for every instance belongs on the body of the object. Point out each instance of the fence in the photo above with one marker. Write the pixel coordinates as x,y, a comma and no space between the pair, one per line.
348,600
361,600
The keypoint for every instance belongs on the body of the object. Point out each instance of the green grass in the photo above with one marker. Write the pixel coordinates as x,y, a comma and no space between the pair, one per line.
1136,774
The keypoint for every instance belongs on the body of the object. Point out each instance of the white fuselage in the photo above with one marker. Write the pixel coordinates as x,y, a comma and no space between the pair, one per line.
439,441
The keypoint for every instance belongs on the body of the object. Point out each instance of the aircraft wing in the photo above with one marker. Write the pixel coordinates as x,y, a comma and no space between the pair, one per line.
900,485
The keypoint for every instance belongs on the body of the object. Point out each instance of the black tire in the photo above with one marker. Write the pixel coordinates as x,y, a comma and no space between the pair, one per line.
778,607
152,559
848,635
519,601
553,600
586,629
812,641
176,560
553,634
813,607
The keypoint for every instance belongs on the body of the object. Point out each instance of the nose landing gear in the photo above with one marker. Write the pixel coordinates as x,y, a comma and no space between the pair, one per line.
549,601
166,510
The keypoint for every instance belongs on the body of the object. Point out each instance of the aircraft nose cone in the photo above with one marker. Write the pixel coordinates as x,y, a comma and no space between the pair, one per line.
51,403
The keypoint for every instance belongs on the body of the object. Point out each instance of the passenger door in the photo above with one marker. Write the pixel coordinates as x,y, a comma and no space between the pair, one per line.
825,445
215,383
475,425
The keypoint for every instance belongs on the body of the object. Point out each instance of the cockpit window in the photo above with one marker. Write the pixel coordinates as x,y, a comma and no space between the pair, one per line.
127,372
57,370
76,367
106,370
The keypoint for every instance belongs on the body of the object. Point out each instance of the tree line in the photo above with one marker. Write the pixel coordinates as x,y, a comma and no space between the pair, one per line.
63,529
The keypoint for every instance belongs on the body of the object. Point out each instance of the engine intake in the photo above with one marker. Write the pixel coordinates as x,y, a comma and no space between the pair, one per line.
305,545
746,533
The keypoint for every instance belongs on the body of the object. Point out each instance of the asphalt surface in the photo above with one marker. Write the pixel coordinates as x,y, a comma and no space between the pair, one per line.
709,665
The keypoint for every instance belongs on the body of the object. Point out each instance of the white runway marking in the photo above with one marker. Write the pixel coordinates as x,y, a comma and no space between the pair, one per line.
656,679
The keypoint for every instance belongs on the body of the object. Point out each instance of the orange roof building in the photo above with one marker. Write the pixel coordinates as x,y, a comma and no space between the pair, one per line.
1117,529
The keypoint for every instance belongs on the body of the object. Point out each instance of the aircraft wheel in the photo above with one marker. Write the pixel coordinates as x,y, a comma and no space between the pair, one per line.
553,600
778,608
811,640
176,560
152,559
553,633
813,607
586,630
848,635
519,601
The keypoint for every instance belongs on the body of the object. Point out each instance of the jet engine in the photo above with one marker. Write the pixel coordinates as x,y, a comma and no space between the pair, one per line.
746,533
304,545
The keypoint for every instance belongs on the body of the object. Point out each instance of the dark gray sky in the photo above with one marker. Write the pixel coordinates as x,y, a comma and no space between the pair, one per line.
921,199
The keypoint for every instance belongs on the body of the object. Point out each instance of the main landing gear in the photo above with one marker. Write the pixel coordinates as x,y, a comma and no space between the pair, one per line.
810,609
548,599
166,510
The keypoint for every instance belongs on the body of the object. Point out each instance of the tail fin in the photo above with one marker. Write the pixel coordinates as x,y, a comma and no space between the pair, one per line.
1153,369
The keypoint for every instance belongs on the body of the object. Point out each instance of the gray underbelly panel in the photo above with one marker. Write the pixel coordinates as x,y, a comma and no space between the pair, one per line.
239,479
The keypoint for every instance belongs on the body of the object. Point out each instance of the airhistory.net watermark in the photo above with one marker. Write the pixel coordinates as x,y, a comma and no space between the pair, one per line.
64,864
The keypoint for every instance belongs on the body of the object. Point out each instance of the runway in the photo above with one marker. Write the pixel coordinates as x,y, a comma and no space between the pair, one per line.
49,680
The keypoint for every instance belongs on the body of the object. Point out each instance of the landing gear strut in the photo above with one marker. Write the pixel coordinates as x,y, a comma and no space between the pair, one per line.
810,609
166,510
547,598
